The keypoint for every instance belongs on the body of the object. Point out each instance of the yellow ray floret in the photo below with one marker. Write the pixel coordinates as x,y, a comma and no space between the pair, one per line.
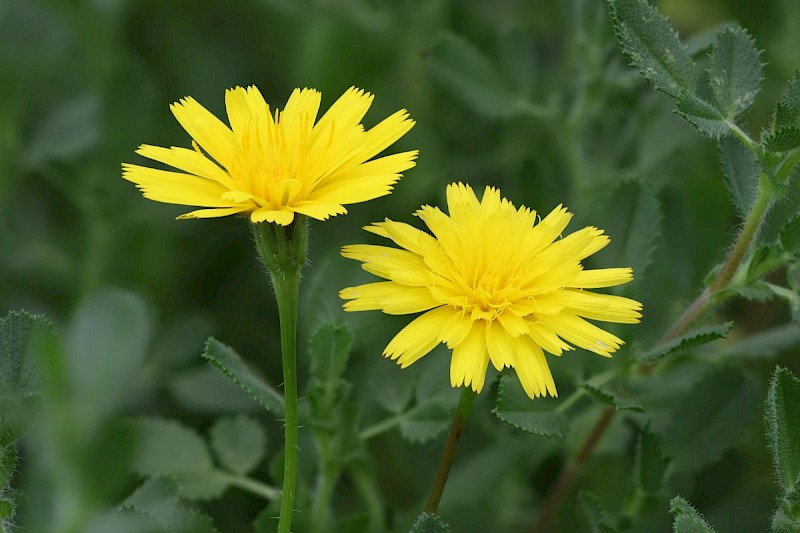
494,285
274,165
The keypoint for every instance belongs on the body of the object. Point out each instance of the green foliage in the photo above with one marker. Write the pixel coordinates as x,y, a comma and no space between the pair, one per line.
231,364
429,523
517,410
592,513
783,427
790,234
741,173
612,399
650,463
735,71
653,47
690,340
458,65
632,217
239,443
687,519
158,499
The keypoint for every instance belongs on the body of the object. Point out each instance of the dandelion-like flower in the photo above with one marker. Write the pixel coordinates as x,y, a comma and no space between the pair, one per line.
272,166
494,286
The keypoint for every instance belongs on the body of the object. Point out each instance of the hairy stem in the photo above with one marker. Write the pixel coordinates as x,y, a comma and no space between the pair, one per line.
450,448
283,251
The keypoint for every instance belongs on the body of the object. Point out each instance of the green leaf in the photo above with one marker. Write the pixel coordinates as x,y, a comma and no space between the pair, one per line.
782,140
609,398
8,462
735,71
707,419
787,111
790,234
741,173
206,390
106,344
687,519
650,463
631,217
427,420
329,350
515,408
168,447
591,513
17,376
692,339
783,523
202,485
158,499
782,418
429,523
470,76
653,47
766,344
239,443
702,115
764,260
6,509
232,365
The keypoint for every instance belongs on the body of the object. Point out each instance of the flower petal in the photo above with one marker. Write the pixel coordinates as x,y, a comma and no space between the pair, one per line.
470,360
418,338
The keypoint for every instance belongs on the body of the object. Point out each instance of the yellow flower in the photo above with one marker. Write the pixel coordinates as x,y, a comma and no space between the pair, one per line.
273,166
494,285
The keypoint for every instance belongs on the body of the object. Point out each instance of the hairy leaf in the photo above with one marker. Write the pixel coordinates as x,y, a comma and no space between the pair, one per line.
17,377
741,173
231,364
8,462
239,443
702,115
329,349
735,71
687,519
429,523
515,408
782,140
790,234
650,463
609,398
653,47
692,339
787,111
470,76
782,417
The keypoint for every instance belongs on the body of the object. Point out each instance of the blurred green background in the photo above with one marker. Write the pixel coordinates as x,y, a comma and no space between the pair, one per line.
530,96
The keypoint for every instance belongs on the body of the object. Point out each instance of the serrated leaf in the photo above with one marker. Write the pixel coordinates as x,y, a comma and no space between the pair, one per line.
653,47
515,408
609,398
687,519
329,350
206,390
429,523
631,217
707,419
650,463
702,115
741,173
17,376
168,447
787,111
735,71
231,364
106,344
157,498
8,463
470,76
783,140
790,234
591,513
239,443
426,421
692,339
782,418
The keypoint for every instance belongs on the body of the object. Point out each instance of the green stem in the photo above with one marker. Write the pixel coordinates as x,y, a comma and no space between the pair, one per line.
370,495
253,486
321,506
382,426
283,251
450,448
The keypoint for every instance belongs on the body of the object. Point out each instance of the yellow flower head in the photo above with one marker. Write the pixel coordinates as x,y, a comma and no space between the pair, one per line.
494,285
272,166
